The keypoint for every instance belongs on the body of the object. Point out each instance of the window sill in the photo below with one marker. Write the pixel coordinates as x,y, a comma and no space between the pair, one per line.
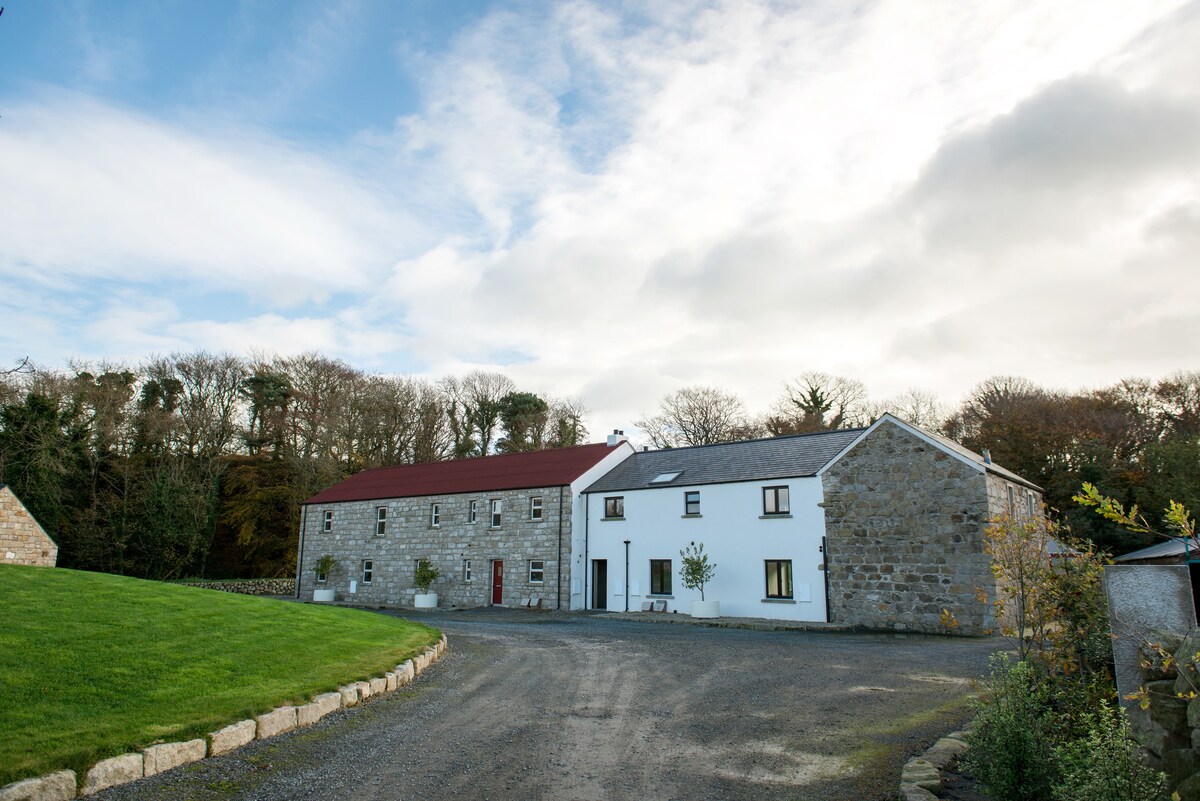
779,600
689,517
775,517
610,519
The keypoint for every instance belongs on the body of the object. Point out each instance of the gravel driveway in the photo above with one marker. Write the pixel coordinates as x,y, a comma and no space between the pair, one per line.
568,706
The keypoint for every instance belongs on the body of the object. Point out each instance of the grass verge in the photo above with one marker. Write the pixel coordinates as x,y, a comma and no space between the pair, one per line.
93,665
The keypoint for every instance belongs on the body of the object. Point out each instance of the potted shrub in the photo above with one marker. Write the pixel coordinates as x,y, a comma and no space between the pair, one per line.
698,571
426,574
324,567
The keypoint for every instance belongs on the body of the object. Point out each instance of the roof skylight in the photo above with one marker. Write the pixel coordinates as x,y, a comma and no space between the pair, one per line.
665,478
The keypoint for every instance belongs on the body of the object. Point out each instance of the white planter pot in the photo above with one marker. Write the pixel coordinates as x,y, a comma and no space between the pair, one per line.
706,608
323,596
425,600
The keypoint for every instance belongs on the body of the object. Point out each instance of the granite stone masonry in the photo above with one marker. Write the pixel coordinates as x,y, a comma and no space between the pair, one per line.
904,536
534,553
22,540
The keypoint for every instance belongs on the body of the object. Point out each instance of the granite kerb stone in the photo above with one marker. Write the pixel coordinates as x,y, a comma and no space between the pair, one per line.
921,778
161,757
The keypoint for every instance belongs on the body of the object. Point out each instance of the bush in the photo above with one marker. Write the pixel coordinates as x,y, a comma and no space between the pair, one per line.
1012,743
1107,765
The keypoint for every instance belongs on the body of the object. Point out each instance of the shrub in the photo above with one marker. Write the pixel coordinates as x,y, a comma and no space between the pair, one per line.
426,574
1012,743
1107,765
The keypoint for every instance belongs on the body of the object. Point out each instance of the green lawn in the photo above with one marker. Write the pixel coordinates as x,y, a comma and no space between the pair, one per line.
93,665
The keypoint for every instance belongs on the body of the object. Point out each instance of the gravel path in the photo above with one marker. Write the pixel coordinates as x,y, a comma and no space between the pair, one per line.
576,707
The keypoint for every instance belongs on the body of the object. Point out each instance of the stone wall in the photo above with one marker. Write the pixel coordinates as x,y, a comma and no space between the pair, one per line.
904,527
409,537
22,540
275,586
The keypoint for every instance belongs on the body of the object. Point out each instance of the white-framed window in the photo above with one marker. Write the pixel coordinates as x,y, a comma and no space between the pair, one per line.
691,502
322,578
496,508
779,578
535,508
467,568
380,520
328,524
435,514
537,571
473,515
614,507
776,501
368,571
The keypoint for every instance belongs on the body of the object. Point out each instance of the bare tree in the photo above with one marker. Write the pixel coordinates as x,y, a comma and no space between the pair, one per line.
473,405
697,416
818,402
916,406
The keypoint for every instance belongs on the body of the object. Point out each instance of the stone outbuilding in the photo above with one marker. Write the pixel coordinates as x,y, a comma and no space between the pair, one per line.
497,528
22,540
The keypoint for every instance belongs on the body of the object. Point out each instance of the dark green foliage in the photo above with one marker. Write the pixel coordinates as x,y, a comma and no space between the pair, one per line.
1012,741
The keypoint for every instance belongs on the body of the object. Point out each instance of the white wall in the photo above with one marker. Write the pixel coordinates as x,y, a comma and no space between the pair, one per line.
735,536
620,452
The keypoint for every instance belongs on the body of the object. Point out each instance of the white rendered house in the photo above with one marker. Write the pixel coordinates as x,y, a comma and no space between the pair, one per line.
879,527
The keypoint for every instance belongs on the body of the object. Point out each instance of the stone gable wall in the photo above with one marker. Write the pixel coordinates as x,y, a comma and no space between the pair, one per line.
409,537
22,540
904,536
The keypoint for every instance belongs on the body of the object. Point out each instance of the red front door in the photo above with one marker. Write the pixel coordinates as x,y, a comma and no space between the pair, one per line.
497,582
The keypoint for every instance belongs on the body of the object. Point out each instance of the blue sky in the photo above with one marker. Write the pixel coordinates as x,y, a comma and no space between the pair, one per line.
608,200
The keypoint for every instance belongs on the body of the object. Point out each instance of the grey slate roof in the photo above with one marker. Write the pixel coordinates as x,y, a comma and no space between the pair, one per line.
751,460
991,467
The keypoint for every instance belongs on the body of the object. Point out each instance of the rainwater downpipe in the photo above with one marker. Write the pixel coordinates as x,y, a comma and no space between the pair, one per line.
626,575
587,563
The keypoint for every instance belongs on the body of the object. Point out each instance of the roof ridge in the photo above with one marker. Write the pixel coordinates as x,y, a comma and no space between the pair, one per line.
760,439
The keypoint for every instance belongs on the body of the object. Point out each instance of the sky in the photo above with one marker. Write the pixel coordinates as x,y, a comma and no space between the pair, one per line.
608,200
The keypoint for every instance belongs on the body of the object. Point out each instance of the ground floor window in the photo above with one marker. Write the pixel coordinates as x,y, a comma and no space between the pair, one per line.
660,576
537,571
779,578
368,571
466,570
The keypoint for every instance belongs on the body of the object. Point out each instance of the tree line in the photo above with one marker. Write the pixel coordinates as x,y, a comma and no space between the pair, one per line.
195,464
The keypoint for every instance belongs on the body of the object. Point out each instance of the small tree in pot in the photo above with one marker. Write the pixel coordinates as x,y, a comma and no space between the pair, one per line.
698,571
425,576
324,568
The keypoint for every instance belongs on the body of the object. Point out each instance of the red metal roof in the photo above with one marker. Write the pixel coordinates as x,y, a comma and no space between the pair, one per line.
551,468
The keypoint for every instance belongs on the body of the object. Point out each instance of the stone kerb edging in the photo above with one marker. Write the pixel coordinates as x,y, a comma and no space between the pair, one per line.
63,785
921,779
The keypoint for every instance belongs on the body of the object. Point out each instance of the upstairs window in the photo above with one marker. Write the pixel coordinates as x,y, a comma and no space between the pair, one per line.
775,501
535,508
614,507
691,503
473,516
496,508
380,520
328,525
435,514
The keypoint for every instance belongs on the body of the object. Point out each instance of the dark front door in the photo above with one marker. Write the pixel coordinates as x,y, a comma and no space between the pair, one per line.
497,582
599,583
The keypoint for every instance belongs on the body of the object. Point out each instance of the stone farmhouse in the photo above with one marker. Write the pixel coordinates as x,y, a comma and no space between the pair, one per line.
880,527
22,540
498,528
